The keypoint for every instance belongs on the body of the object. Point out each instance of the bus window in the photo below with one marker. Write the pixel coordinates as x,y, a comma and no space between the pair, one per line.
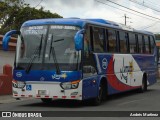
87,45
88,59
123,42
137,45
98,39
132,42
146,42
140,44
112,41
152,44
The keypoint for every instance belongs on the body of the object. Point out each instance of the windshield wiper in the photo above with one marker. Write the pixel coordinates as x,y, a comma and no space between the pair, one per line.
40,46
38,49
54,55
59,40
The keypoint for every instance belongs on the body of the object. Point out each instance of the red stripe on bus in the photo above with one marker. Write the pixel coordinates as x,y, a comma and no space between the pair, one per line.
73,96
63,97
55,97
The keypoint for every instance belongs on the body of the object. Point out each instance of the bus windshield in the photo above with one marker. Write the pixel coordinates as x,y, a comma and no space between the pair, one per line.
47,47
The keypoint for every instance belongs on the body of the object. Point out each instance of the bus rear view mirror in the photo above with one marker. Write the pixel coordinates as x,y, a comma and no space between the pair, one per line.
7,37
78,39
89,69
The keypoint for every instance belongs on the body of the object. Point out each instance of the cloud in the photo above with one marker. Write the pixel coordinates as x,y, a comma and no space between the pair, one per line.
94,9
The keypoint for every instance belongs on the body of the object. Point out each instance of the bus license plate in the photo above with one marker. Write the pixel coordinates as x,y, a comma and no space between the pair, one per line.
42,92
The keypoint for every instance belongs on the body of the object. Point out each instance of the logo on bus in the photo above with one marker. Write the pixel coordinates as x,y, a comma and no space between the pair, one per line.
42,79
104,63
55,76
19,74
127,69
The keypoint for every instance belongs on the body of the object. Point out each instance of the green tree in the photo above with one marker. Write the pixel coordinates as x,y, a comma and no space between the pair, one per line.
15,12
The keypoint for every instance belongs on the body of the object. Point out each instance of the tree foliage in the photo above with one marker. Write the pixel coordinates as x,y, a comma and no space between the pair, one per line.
15,12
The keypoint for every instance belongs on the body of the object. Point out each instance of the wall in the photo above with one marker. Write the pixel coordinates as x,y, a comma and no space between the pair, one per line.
12,43
6,65
6,80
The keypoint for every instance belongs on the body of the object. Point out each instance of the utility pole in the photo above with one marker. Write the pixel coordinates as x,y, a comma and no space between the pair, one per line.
125,19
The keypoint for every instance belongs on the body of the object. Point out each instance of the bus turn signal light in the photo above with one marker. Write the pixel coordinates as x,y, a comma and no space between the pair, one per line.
70,85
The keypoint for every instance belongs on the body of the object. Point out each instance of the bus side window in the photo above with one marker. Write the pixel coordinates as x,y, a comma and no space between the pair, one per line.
132,43
152,44
137,45
123,42
112,47
87,45
89,67
140,43
98,39
106,41
146,42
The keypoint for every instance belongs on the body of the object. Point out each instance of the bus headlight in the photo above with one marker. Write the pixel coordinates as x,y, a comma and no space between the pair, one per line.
18,84
70,85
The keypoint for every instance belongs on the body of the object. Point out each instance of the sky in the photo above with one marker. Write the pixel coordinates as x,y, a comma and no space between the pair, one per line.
107,10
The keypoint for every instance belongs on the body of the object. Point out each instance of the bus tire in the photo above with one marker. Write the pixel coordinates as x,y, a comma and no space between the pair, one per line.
102,95
144,84
46,100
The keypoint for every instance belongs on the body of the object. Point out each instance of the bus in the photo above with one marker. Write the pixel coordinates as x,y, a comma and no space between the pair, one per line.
81,59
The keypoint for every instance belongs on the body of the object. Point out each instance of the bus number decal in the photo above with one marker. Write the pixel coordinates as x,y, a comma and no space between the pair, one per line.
104,63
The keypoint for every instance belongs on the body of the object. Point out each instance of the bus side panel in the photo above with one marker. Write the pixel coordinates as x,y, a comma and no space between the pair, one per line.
102,63
148,65
111,86
152,77
90,88
114,82
121,71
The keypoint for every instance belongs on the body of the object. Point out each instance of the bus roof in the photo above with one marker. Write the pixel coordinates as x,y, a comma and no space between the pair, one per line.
81,23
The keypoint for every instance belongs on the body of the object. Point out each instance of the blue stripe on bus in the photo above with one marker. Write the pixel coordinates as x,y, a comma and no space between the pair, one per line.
44,75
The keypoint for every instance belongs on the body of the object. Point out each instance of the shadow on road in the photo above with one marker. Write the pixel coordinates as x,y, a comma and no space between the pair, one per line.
128,93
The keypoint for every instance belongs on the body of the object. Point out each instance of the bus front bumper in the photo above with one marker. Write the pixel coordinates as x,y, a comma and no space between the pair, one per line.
48,90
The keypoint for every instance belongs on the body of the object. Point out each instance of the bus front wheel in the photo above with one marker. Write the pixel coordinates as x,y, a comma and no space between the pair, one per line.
97,101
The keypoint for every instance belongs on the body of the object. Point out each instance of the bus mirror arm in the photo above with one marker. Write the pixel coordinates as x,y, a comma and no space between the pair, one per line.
78,40
7,37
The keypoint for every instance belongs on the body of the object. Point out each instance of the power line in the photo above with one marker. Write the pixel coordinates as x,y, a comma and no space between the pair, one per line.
133,10
151,3
38,3
124,10
134,1
148,26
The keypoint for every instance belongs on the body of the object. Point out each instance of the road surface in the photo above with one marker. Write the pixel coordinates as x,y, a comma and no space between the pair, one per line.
130,101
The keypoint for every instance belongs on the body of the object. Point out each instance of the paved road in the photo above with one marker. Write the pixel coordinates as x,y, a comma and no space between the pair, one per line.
130,101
